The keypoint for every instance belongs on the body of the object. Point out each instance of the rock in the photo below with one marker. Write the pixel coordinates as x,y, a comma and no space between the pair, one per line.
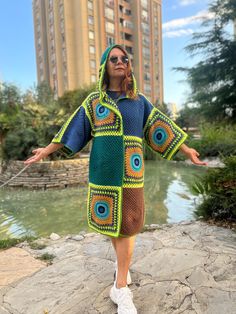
77,238
90,235
54,236
183,268
154,226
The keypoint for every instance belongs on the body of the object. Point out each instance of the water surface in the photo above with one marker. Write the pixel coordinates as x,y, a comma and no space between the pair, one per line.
168,198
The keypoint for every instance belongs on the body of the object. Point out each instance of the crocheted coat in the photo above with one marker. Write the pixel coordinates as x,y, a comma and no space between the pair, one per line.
115,205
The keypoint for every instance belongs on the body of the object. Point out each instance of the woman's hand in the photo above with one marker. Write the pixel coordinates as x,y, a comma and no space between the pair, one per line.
192,154
39,153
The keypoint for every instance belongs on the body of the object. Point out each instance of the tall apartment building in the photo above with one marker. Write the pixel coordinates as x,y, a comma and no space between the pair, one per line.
70,37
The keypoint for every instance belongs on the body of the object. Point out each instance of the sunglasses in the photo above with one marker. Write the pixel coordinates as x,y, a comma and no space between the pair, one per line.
124,59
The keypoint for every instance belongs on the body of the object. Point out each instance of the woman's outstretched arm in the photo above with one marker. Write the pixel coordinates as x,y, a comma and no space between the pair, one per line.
40,153
192,154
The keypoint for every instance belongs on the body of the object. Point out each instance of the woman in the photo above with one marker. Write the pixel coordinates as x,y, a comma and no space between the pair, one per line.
118,118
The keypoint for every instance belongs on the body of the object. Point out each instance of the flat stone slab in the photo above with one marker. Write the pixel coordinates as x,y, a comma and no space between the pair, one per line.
16,263
181,268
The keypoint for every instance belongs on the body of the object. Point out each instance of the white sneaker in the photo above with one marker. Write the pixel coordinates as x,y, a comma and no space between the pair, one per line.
123,298
129,280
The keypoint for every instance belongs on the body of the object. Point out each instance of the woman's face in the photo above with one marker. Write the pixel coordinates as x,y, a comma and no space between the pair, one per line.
117,64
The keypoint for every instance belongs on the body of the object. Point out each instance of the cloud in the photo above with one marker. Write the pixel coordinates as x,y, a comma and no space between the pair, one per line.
178,33
187,2
194,19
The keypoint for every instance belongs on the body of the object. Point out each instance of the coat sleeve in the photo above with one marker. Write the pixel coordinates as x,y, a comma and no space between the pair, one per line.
160,133
75,133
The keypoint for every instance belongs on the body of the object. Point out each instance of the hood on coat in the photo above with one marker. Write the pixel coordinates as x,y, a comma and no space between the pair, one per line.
102,69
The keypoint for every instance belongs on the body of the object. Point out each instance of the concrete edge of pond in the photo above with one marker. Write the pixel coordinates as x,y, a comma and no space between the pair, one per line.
187,267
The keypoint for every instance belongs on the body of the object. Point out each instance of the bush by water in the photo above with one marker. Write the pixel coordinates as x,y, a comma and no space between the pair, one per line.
218,189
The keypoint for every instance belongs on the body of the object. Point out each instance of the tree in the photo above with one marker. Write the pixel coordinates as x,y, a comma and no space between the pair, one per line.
73,99
10,103
44,94
188,117
163,107
213,80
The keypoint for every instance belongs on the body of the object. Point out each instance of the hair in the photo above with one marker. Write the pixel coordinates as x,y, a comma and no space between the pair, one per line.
127,84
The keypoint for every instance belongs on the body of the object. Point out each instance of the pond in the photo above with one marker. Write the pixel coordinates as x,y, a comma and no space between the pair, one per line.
168,198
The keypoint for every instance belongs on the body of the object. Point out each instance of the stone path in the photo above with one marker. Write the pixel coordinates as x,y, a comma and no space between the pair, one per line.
181,268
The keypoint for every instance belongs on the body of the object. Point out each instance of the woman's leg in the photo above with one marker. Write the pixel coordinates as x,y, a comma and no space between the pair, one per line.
124,248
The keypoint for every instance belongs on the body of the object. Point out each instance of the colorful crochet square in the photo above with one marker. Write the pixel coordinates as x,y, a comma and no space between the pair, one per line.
107,161
104,209
134,163
163,135
103,118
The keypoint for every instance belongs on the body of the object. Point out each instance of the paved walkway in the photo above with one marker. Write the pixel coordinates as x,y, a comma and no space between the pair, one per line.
181,268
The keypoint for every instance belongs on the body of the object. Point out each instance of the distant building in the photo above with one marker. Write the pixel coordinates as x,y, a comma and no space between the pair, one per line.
70,36
173,111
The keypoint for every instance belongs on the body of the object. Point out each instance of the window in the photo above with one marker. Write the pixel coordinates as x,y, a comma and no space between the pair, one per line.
109,13
146,66
110,41
91,35
146,52
90,20
93,64
93,78
147,77
110,28
144,3
128,12
110,3
128,36
146,40
129,49
51,16
64,53
145,15
128,24
147,88
145,28
61,10
90,5
91,49
62,24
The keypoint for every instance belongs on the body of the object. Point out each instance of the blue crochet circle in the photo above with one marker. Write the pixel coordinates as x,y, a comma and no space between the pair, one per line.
102,112
159,136
136,162
102,210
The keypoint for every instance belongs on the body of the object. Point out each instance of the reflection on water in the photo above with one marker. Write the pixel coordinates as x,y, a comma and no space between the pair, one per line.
167,196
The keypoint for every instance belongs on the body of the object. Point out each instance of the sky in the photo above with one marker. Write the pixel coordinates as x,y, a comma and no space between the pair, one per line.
180,19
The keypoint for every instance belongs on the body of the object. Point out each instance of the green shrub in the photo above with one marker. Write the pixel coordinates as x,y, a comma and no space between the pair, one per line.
218,189
216,140
19,144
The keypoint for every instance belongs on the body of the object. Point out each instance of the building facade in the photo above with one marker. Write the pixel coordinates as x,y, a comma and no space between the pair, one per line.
70,37
172,107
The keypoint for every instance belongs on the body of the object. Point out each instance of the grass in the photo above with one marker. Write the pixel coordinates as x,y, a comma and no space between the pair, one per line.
11,242
8,243
37,246
47,257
